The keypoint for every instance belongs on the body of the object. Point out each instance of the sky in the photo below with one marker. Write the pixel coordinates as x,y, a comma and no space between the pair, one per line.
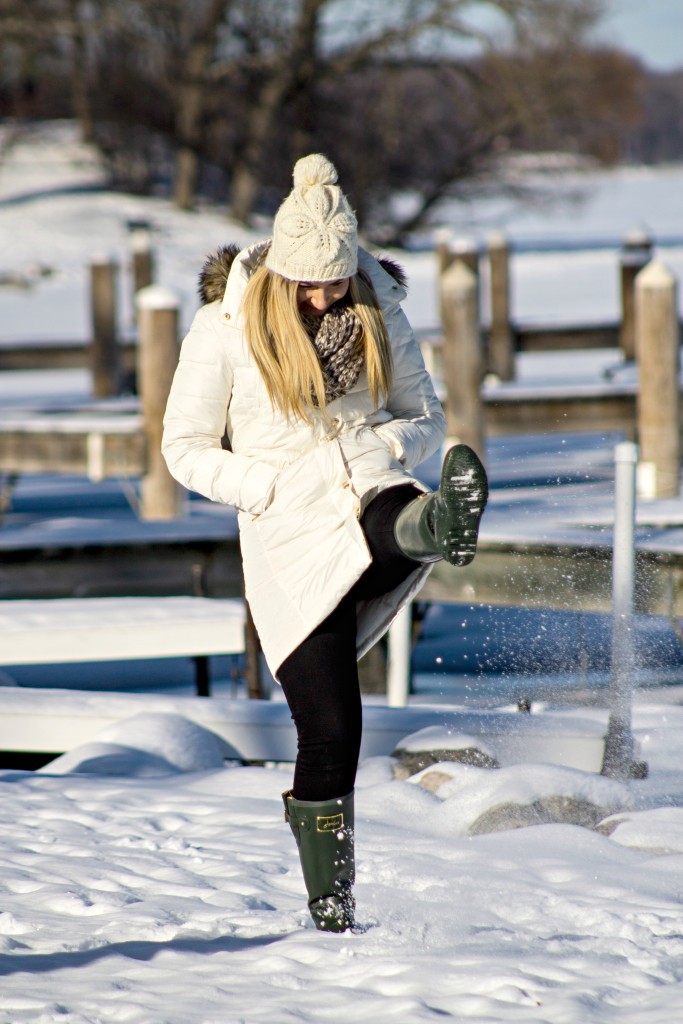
652,30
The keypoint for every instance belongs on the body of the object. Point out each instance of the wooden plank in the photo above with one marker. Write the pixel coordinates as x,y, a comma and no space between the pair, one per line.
95,453
571,578
552,576
75,354
531,579
210,568
59,355
591,413
556,339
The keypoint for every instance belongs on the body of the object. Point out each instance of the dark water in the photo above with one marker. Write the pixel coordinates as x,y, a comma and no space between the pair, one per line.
489,655
464,653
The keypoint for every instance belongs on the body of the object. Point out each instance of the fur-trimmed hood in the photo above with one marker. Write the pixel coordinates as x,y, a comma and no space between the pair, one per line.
214,274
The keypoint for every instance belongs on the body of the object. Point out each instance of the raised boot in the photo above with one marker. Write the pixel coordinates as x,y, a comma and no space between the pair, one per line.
323,830
445,523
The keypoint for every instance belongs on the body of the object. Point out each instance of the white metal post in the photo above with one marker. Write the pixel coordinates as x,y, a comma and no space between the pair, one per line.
618,758
399,649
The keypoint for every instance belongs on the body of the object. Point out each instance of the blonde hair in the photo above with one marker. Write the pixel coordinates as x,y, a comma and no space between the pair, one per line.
284,353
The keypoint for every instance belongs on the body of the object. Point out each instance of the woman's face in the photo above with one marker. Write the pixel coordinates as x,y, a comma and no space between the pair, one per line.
316,297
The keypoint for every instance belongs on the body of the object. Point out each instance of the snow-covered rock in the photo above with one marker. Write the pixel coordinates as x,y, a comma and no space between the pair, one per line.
148,744
436,744
658,831
522,795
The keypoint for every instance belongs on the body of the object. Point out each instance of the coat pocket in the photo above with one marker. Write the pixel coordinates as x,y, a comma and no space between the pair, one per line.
309,534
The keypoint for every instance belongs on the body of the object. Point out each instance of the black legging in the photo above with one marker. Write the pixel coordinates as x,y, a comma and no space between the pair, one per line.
320,677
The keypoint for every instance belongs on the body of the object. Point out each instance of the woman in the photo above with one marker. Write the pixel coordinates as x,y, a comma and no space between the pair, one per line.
301,398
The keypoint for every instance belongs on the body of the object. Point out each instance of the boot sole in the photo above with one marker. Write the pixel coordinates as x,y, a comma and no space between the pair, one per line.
464,492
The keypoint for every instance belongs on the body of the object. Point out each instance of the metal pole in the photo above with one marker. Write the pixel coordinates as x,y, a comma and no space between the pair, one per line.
399,645
618,757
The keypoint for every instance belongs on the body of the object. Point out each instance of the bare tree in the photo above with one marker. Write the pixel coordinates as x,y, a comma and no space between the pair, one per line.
55,32
191,96
403,94
76,29
316,44
276,77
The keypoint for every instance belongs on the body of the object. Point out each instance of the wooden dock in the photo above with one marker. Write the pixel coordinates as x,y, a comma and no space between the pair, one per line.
567,577
99,443
203,559
177,555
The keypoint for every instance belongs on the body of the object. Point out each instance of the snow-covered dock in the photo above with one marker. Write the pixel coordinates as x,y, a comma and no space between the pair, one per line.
121,629
54,721
545,542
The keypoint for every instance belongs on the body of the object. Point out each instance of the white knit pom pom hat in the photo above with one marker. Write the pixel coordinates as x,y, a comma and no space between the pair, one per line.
315,232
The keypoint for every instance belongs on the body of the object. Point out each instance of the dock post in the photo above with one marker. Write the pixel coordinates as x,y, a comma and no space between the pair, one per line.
462,357
105,357
635,254
449,249
618,761
501,359
657,346
161,497
252,657
142,259
442,248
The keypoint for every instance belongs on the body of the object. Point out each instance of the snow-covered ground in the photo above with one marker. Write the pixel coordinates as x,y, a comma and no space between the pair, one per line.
144,881
172,895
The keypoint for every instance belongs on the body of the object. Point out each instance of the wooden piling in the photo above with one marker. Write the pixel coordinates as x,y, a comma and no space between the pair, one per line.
442,247
105,358
161,497
467,251
501,359
449,249
462,356
657,349
635,254
142,259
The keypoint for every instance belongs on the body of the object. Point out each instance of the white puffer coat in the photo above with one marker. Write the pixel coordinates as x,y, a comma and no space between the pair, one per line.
300,487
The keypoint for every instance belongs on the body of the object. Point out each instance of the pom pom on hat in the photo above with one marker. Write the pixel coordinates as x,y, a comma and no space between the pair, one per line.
315,233
315,169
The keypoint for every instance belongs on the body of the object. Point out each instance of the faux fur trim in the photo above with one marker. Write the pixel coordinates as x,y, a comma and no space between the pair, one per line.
214,274
394,270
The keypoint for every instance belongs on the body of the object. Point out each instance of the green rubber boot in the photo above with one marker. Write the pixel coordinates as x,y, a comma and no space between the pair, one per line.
324,834
445,523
